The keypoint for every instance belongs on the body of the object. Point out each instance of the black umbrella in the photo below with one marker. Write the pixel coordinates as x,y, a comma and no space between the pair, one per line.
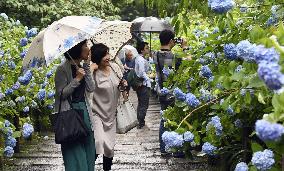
151,25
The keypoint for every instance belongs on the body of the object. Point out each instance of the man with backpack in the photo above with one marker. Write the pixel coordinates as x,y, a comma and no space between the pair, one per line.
164,59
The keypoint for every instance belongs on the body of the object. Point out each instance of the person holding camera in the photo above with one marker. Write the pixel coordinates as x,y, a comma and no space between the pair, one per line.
104,101
164,59
142,66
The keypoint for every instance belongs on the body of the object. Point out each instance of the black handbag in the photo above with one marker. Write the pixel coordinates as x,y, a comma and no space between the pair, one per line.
168,99
68,125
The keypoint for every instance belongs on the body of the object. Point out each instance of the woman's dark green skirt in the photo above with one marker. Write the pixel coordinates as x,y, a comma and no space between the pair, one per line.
80,156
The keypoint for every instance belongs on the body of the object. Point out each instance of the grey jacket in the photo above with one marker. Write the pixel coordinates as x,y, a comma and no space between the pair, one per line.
64,81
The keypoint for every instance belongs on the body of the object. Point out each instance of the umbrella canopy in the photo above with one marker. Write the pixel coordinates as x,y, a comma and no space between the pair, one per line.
114,34
59,37
150,24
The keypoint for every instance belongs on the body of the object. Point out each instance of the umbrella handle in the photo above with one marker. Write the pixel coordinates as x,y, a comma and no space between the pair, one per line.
77,67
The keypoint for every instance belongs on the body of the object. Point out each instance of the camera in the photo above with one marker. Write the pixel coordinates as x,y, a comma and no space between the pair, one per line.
178,40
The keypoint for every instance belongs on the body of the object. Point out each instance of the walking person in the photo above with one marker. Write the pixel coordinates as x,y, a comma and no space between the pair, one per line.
142,66
104,102
73,83
162,58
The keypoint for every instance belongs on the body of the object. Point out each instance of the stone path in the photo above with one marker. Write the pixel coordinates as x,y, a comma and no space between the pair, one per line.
137,150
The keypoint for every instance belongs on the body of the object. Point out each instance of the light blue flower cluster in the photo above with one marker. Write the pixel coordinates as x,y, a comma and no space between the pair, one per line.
4,16
205,95
245,50
242,166
41,94
8,151
208,148
7,123
179,94
49,74
2,95
50,94
9,91
191,100
262,54
221,6
216,123
263,160
25,80
11,64
28,129
172,139
26,109
166,71
16,86
216,30
230,110
10,141
267,131
230,51
238,123
50,106
205,71
188,136
20,99
23,53
31,33
165,91
23,41
2,53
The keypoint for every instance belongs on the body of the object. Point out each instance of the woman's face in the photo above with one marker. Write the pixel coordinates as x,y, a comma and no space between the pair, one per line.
105,60
85,52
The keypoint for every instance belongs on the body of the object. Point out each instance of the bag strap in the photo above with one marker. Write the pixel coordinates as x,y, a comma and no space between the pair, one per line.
160,69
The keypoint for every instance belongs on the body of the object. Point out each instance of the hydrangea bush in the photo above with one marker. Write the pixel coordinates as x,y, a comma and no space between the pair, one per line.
26,95
231,91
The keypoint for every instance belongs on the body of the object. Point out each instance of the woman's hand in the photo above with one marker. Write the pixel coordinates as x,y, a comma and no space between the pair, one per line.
80,74
93,67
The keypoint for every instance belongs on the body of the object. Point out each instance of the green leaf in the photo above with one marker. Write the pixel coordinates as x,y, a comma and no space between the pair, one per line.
255,82
256,147
17,134
260,98
257,33
247,98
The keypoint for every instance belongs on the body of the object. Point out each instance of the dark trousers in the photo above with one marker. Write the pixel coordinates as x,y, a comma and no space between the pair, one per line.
107,162
164,105
143,95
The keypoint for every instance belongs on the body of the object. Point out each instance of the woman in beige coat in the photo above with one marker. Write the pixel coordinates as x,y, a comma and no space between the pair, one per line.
104,101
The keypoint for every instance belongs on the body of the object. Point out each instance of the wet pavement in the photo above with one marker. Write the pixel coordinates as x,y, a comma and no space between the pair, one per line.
137,150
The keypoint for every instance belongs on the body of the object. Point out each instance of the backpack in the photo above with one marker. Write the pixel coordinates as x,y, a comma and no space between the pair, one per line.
133,80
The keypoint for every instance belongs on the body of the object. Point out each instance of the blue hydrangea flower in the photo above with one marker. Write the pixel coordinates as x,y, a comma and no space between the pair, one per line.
2,95
230,110
208,148
11,65
16,86
216,123
9,131
25,80
239,68
7,123
23,41
263,54
191,100
221,6
49,106
50,94
9,91
23,53
2,53
271,75
41,94
267,131
10,141
20,99
2,63
238,123
272,20
166,71
205,71
172,139
31,33
28,129
216,30
44,84
205,95
26,109
210,55
263,160
4,16
241,167
164,91
49,74
179,94
202,61
245,50
230,51
8,151
188,136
